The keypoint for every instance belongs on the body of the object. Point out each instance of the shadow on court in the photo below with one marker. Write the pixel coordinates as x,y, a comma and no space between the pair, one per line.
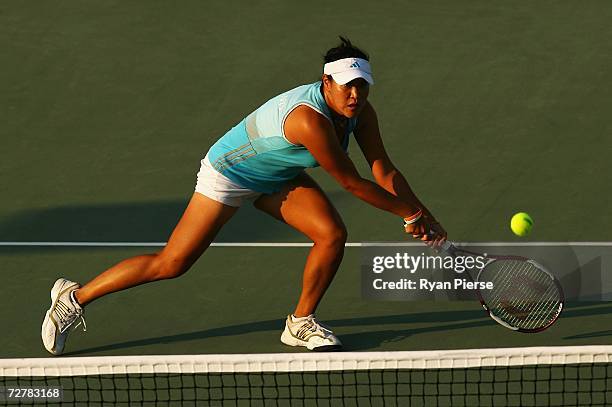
444,321
372,339
597,334
364,341
589,309
137,222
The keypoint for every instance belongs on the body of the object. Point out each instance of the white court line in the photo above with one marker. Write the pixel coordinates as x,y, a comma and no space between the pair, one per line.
280,244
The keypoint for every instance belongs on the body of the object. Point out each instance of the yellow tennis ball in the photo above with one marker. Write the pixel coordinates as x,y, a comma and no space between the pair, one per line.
521,224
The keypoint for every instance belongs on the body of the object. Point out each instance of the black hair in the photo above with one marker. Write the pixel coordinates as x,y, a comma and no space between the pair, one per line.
344,50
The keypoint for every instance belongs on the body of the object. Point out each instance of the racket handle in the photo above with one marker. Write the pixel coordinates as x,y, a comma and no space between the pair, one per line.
446,246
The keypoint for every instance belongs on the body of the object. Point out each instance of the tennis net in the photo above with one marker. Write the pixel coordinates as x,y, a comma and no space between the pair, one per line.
539,376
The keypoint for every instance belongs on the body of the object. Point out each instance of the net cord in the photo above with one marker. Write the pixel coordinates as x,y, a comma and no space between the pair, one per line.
298,362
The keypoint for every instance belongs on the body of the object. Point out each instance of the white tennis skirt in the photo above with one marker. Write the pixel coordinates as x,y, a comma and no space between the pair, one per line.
213,184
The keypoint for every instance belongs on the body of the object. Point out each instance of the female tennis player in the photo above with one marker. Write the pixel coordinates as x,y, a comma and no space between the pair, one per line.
262,159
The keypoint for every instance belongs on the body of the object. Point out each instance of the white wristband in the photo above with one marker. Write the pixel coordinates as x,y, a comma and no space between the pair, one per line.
413,219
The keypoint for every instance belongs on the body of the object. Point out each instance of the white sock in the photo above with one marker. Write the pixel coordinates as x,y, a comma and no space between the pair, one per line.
298,319
73,299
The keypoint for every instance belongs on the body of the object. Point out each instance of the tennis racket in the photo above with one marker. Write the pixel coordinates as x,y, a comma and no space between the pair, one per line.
525,296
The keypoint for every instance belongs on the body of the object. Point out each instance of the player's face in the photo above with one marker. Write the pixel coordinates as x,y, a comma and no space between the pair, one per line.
346,100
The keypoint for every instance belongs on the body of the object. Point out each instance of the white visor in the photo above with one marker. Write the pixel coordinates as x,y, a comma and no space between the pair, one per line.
347,69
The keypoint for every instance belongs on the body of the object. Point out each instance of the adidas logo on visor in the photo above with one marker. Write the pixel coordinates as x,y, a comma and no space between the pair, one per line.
349,68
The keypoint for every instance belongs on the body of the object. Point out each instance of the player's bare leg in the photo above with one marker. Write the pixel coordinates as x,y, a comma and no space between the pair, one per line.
197,228
305,207
195,231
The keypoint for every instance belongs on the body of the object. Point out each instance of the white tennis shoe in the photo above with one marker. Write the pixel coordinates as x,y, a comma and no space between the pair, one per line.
308,332
62,316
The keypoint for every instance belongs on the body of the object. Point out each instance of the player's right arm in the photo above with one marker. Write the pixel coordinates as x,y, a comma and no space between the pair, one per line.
312,130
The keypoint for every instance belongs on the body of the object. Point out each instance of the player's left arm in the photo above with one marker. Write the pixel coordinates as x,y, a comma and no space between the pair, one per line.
367,134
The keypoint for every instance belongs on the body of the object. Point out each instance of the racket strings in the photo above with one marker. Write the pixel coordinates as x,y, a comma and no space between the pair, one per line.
523,295
527,313
524,304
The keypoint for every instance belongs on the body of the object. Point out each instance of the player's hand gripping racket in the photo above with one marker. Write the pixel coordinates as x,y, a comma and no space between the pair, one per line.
525,296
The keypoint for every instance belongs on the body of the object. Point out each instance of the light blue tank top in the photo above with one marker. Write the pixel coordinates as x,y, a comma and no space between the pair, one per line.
257,155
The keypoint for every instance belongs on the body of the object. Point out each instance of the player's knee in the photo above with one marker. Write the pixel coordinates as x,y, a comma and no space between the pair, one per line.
166,267
333,235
